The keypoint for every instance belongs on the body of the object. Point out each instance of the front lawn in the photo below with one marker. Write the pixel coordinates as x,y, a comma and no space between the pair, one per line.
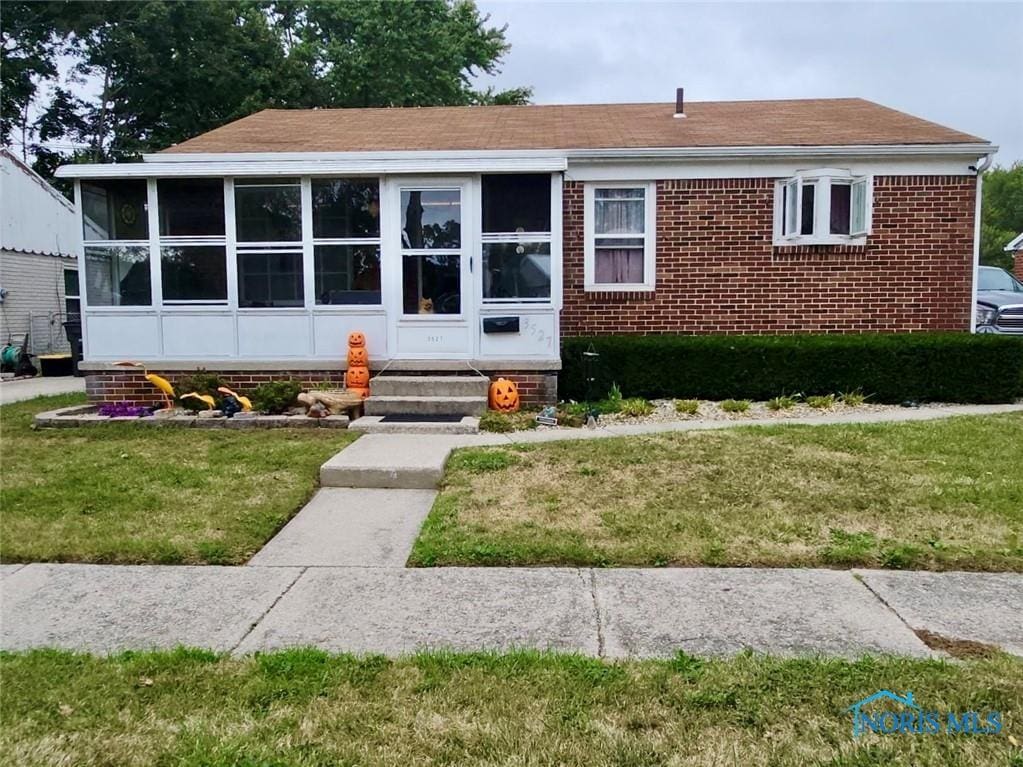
307,708
149,494
940,495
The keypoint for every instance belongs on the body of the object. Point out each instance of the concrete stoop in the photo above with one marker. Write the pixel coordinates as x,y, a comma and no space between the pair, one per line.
411,395
374,424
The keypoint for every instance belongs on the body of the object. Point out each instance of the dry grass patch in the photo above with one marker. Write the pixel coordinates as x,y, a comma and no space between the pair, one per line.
931,494
305,708
139,494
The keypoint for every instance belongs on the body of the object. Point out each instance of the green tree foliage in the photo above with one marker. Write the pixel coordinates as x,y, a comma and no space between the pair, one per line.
1002,214
144,75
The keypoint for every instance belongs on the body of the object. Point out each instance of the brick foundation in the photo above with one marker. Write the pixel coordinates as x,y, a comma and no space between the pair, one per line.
718,272
129,384
1017,267
535,388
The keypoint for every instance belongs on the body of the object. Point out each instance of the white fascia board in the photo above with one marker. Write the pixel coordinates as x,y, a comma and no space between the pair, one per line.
548,161
1015,244
360,166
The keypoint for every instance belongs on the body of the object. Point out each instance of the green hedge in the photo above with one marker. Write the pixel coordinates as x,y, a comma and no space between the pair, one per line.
891,367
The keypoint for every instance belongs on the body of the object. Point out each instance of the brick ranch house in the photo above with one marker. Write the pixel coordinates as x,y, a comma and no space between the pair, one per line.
462,238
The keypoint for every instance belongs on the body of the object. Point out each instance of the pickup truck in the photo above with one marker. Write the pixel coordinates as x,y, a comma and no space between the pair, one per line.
999,302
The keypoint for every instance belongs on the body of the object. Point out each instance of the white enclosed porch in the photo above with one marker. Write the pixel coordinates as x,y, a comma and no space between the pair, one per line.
194,261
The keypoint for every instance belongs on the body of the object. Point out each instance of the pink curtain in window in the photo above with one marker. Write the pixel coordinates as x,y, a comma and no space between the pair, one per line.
619,265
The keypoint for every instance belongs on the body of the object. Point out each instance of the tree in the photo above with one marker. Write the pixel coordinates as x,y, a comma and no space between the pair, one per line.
162,71
1001,213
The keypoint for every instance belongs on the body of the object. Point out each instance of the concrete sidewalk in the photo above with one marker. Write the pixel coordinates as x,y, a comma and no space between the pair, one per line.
608,612
22,389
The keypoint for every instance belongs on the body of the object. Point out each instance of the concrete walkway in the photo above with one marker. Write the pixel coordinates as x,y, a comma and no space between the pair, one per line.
608,613
29,388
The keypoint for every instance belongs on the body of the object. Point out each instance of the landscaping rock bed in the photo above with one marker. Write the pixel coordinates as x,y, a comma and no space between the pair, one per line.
87,415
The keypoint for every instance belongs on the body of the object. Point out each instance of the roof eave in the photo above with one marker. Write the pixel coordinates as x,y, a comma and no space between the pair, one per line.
546,160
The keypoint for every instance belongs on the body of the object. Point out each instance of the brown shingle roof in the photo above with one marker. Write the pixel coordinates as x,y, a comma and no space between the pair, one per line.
808,122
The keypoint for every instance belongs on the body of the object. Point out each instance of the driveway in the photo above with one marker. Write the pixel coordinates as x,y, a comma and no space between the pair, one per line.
30,388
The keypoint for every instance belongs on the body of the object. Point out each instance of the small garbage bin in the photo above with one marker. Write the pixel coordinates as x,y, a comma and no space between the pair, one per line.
73,331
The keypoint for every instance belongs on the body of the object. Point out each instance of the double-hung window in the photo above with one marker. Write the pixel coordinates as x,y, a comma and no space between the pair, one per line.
619,221
516,238
115,234
72,302
346,240
826,206
268,230
193,244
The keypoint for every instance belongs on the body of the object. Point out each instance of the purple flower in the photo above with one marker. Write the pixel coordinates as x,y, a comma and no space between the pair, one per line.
124,410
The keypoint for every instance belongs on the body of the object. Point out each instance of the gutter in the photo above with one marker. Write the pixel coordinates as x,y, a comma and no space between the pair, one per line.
982,165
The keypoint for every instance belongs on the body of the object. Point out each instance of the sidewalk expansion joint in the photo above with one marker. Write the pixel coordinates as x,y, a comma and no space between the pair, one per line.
267,611
881,599
596,611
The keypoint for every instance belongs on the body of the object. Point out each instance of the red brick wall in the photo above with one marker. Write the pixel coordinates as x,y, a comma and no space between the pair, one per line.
130,385
717,271
1018,264
535,388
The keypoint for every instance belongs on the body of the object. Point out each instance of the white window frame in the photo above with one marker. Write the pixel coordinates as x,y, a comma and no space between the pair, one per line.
649,238
169,241
822,178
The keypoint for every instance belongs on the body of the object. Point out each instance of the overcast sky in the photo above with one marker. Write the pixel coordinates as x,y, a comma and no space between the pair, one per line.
957,64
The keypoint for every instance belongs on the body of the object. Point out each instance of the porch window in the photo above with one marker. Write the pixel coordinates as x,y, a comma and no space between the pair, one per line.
193,242
619,248
516,238
825,206
115,233
346,240
268,210
270,279
268,227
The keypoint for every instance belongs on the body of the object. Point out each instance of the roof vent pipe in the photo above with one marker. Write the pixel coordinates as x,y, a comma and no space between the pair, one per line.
680,104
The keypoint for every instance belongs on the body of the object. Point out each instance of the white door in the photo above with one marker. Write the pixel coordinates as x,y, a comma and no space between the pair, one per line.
428,252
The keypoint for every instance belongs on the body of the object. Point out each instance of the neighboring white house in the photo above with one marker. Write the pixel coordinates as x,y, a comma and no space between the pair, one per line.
39,248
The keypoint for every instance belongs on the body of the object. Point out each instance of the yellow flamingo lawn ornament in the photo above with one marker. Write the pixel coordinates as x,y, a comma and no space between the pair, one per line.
245,402
206,398
159,382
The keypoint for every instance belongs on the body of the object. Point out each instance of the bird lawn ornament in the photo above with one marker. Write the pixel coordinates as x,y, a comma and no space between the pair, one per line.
245,402
159,382
204,398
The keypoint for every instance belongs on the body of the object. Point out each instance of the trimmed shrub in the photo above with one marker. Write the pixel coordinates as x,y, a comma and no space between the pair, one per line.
200,382
275,396
893,367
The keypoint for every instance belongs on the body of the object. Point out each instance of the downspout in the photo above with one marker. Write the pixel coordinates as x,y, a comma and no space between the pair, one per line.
982,165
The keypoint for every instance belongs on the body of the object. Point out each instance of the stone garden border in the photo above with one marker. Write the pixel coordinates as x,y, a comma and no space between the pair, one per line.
86,415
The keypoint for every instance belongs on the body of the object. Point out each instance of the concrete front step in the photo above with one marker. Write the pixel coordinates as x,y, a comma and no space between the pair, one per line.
410,462
374,424
430,386
425,405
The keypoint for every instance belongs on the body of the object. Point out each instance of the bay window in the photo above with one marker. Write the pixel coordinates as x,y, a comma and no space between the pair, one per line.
826,206
516,238
619,221
346,240
115,234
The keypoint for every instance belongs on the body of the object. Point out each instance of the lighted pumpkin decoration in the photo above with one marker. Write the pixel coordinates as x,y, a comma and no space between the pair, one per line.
356,338
504,396
358,356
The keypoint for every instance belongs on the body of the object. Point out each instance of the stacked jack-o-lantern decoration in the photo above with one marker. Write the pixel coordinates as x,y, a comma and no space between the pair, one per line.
504,396
357,376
